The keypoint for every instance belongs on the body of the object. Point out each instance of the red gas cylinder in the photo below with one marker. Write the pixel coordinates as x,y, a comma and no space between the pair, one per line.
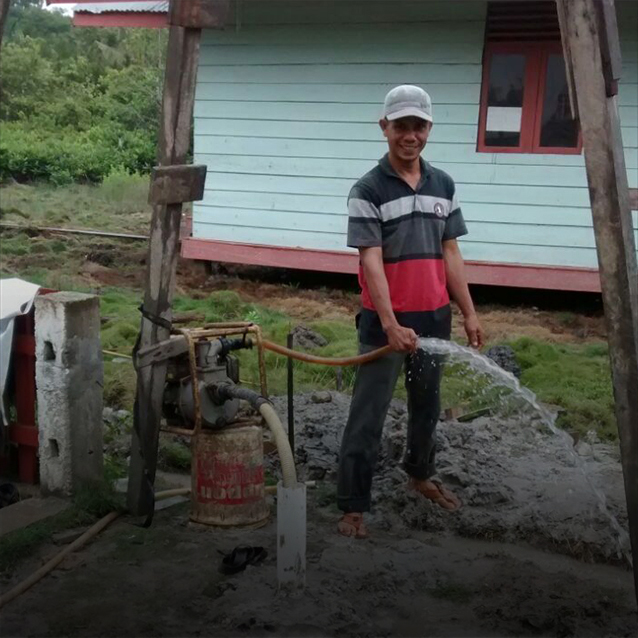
227,477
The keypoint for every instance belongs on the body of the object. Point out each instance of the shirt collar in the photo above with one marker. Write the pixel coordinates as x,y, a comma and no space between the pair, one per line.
386,167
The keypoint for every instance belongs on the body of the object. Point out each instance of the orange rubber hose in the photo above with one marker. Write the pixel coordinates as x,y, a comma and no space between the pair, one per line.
327,361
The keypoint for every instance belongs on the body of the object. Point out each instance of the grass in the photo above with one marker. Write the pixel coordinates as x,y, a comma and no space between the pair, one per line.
575,378
173,455
119,204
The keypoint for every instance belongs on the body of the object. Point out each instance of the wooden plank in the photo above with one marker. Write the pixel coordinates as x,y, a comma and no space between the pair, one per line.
579,257
609,45
351,74
633,198
320,196
485,273
532,233
199,14
174,140
352,169
553,216
448,152
177,184
30,511
461,93
615,238
4,11
338,131
363,53
569,67
434,33
358,11
172,347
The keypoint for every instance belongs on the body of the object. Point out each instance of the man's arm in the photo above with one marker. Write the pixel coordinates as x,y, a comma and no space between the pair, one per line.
399,338
459,291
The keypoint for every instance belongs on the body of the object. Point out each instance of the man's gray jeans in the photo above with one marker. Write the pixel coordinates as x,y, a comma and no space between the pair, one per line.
373,390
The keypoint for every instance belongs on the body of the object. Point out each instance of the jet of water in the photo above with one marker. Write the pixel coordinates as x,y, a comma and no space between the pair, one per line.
499,377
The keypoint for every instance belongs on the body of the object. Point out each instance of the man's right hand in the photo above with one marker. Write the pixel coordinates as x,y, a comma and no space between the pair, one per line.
401,339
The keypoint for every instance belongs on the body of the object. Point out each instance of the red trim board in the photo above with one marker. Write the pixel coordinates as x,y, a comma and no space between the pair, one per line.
121,19
492,274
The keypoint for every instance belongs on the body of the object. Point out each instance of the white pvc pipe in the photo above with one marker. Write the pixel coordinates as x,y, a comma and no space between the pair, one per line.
291,537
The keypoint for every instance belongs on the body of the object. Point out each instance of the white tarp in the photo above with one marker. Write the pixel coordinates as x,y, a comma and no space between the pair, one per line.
16,298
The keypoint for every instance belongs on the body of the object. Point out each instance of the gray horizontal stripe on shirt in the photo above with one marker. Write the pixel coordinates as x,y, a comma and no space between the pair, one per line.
415,203
362,208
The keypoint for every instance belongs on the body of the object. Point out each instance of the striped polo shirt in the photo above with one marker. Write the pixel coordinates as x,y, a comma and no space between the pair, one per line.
410,225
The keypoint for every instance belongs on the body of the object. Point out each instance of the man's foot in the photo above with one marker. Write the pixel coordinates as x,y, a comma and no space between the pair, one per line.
436,493
352,526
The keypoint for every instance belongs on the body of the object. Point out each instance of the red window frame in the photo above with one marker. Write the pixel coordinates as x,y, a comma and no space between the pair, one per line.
536,59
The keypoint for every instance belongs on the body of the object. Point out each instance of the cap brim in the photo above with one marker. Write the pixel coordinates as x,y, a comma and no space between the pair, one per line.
409,112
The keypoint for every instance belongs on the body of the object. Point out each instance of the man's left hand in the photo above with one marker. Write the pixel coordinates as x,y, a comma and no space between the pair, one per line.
474,331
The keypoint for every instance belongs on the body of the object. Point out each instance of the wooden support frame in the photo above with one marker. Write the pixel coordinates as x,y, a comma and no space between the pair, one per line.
4,12
174,140
588,50
199,14
177,184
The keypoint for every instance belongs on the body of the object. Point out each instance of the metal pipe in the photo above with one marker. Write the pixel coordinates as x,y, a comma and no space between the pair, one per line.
291,399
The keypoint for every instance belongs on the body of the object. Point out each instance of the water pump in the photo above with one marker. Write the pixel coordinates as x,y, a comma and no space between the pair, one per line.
215,368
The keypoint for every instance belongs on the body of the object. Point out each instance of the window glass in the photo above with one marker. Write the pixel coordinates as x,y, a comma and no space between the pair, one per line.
505,100
558,129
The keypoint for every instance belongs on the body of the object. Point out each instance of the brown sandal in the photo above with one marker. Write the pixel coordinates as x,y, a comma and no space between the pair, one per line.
352,526
438,494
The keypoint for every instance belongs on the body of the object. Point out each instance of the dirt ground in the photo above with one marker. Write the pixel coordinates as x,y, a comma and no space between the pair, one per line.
531,553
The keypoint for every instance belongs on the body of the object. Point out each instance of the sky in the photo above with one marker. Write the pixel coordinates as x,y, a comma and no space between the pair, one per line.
66,8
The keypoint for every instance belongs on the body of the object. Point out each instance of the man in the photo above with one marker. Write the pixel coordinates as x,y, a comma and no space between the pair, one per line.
404,218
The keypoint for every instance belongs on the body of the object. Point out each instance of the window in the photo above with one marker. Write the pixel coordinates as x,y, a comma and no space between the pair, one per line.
524,98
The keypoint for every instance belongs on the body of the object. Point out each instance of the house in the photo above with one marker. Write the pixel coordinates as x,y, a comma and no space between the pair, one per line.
287,103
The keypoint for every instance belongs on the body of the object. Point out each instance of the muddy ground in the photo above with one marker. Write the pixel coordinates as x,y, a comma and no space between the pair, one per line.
531,553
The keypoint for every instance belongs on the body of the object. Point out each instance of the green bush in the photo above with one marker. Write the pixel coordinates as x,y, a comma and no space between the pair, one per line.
67,155
76,104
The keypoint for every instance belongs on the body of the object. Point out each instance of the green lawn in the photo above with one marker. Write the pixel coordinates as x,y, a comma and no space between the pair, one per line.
118,204
574,377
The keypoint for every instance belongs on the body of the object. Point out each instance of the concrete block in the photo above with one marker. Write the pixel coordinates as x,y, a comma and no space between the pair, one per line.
25,513
69,380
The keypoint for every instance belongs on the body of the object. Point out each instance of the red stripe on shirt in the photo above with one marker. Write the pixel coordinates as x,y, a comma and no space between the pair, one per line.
416,285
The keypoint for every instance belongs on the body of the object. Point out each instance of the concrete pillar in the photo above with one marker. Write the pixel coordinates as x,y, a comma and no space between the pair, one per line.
69,379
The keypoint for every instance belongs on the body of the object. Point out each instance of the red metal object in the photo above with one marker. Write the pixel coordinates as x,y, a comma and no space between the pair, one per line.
23,433
483,273
227,477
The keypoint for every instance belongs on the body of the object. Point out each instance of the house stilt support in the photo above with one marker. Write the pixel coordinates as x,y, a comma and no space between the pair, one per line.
590,41
174,141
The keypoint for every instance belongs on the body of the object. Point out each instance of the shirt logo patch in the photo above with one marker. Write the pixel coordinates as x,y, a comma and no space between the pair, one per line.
439,211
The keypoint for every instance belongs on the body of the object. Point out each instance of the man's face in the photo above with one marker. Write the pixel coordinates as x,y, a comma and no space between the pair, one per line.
406,136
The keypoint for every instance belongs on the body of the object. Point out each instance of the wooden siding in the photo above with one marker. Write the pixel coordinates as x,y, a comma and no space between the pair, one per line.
286,113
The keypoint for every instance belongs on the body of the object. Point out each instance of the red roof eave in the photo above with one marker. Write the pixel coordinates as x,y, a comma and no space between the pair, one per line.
120,19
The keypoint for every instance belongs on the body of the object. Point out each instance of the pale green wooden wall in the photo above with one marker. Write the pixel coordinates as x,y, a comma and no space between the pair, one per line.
285,119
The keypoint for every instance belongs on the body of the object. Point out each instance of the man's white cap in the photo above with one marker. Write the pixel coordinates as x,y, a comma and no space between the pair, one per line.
407,100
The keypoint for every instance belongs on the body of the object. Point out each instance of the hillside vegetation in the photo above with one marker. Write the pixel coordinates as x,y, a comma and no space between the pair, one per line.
76,103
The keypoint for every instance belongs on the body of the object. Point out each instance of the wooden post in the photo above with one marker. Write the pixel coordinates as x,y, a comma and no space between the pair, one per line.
4,11
175,127
609,194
